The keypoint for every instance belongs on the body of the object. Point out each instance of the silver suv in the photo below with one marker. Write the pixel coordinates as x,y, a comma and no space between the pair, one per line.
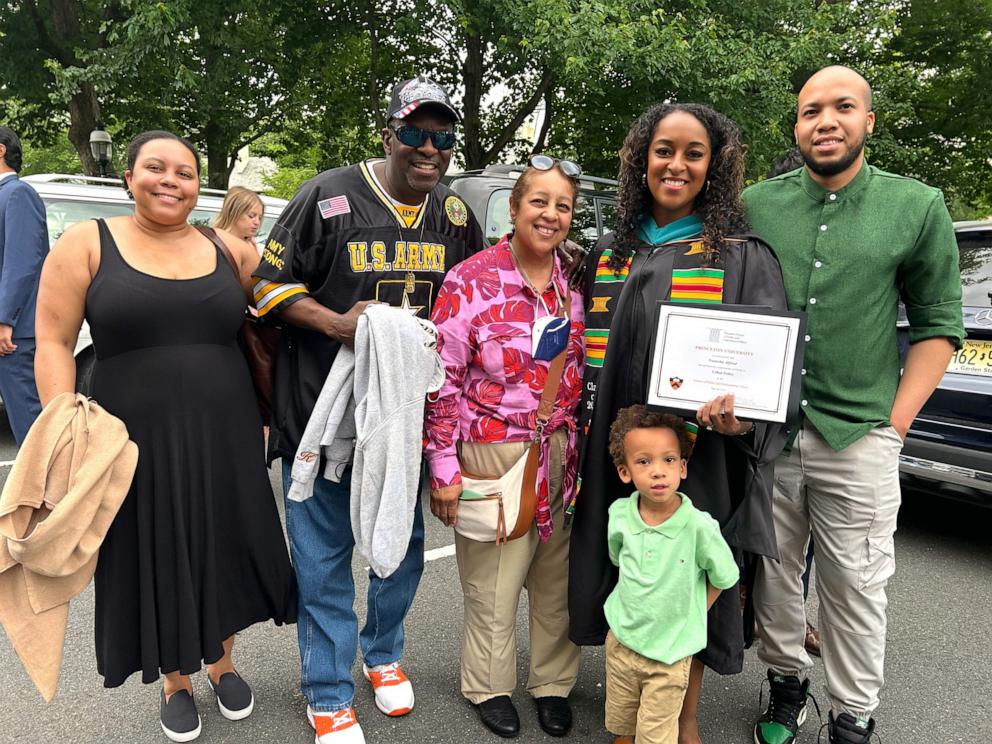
72,199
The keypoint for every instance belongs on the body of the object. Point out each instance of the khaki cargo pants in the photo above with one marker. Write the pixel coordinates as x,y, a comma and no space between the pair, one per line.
849,500
492,578
643,696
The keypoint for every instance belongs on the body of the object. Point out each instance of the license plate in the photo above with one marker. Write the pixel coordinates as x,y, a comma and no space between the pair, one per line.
973,358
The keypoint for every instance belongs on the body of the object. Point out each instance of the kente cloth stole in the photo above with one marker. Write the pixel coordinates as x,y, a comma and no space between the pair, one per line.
606,291
697,285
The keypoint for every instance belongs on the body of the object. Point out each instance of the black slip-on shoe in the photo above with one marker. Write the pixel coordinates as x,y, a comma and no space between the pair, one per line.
554,714
179,718
234,696
500,716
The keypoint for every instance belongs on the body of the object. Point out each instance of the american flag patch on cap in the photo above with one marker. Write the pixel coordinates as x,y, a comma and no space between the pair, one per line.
334,206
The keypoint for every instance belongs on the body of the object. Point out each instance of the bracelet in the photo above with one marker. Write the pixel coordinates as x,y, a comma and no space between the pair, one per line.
746,431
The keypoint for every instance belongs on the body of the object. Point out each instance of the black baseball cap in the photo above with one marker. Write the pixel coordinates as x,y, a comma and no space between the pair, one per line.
410,95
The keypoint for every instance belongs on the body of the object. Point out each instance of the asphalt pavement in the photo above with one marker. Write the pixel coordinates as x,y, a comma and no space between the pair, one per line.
938,666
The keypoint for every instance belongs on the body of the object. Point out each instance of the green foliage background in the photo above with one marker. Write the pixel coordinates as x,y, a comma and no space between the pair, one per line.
307,83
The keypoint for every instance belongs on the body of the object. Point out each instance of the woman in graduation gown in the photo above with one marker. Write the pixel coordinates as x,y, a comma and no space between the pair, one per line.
681,236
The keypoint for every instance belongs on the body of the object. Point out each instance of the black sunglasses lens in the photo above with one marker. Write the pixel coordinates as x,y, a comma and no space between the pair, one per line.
411,136
416,137
569,168
443,140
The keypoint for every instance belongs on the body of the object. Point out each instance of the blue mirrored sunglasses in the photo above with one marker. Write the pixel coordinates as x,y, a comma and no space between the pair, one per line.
416,137
546,162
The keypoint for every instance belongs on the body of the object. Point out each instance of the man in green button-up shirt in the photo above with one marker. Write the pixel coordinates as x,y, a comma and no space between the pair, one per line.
852,240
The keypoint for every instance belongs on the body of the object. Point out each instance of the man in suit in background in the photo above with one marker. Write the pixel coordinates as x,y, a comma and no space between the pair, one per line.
23,247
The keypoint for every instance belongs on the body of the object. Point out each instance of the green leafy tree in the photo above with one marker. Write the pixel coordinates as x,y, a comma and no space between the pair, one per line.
51,62
228,76
933,99
58,157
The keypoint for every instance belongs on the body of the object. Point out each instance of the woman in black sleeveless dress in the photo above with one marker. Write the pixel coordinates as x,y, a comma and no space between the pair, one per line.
196,552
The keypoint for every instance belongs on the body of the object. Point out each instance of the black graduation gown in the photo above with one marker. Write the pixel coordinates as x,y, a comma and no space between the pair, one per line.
728,477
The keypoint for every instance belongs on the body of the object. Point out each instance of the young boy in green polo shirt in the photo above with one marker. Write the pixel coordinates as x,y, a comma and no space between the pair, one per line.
673,564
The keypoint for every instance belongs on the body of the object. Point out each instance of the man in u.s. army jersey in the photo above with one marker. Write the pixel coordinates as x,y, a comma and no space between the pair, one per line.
383,230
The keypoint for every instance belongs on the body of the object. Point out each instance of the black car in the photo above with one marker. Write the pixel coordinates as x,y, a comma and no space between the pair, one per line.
487,193
949,447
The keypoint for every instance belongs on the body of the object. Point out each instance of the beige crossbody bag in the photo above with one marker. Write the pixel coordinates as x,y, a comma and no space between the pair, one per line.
501,508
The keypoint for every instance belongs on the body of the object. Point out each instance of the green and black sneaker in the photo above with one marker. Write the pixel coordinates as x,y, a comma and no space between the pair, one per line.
786,711
846,729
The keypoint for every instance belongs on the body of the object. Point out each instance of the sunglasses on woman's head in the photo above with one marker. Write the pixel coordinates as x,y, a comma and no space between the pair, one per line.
416,137
546,163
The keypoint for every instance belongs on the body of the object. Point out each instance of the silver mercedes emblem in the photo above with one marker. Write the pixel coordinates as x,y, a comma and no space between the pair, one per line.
984,317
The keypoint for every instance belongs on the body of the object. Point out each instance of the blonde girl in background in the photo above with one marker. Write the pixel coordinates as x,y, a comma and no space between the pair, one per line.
241,214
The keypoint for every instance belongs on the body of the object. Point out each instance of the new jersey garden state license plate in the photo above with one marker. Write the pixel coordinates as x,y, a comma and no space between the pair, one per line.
973,358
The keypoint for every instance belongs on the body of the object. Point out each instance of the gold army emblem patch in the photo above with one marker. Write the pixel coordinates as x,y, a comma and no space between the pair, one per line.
456,210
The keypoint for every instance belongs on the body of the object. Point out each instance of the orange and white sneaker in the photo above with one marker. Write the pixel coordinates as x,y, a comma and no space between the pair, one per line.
393,691
336,727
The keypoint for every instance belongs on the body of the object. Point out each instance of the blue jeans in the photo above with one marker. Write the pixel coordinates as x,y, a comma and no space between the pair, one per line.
321,544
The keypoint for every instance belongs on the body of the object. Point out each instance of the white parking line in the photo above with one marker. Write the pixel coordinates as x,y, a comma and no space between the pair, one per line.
444,552
6,463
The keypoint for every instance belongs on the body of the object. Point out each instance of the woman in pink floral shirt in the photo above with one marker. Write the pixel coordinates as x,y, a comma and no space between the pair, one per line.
484,419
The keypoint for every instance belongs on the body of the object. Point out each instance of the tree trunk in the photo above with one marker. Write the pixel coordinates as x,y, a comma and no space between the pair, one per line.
509,130
542,138
84,107
471,120
219,162
375,56
84,113
218,166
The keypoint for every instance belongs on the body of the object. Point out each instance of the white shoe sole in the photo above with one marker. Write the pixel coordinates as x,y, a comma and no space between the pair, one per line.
397,713
236,715
181,737
232,715
316,739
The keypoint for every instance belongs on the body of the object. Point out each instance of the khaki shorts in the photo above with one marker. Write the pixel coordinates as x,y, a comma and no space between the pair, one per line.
643,696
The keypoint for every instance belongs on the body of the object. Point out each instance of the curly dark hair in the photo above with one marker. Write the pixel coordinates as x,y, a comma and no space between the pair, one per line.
639,417
719,203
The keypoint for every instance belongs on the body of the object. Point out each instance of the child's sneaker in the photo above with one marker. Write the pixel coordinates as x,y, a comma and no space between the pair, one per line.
786,710
393,691
847,729
336,727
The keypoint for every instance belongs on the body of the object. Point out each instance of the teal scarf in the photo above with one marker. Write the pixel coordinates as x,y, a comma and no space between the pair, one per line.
686,227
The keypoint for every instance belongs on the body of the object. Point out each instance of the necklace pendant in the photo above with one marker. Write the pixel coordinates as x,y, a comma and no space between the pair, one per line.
411,283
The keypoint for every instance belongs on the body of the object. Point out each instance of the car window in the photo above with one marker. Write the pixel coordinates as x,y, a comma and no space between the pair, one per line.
263,231
976,268
62,214
498,215
584,230
608,212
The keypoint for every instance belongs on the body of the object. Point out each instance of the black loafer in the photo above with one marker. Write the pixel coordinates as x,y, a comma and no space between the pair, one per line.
554,714
500,716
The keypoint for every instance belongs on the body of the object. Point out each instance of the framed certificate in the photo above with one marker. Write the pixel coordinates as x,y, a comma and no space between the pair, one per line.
704,351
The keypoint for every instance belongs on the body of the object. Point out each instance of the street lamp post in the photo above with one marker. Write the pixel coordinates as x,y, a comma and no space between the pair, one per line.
101,146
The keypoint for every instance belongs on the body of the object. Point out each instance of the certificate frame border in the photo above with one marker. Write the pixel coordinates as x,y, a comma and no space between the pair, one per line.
792,412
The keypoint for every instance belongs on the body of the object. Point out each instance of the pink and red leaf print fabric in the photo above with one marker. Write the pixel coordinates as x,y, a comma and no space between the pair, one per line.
484,314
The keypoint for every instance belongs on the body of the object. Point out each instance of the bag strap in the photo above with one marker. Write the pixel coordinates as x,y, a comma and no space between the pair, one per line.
552,382
210,234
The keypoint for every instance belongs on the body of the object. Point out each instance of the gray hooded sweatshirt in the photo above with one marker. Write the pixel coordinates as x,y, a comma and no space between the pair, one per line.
375,399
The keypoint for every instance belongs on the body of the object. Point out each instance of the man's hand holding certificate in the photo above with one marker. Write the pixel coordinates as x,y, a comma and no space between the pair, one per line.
702,353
